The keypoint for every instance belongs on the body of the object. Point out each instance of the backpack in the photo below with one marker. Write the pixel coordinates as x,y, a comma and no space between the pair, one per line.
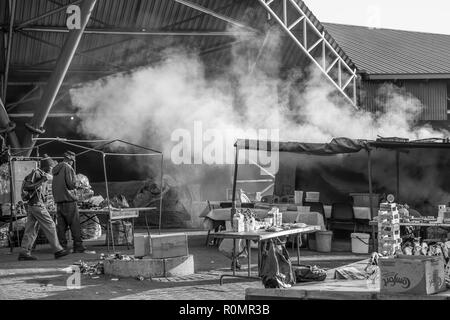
24,194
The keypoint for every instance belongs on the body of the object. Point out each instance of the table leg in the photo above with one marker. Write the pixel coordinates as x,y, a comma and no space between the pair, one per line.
259,258
299,243
249,252
373,239
233,261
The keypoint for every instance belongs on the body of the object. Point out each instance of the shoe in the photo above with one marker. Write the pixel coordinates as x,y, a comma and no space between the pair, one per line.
61,253
26,257
79,250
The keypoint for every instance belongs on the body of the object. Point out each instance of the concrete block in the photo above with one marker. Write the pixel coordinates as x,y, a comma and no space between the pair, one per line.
141,267
179,266
141,245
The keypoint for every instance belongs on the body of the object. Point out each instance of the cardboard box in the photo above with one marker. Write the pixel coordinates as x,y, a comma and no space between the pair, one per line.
414,275
161,246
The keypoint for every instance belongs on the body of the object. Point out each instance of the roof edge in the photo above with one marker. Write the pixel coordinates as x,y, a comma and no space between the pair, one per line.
407,76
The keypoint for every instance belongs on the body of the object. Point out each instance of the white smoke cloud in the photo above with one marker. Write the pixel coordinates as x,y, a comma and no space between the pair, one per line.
147,104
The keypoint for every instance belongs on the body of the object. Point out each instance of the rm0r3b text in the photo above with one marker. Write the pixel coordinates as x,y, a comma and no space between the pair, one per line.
246,309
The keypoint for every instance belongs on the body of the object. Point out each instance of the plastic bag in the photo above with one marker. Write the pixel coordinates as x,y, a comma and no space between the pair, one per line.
276,267
226,248
309,273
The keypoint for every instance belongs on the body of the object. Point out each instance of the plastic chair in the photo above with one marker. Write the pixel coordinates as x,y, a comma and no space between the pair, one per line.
342,214
317,207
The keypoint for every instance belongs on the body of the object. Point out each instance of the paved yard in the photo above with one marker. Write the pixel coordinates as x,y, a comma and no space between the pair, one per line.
44,279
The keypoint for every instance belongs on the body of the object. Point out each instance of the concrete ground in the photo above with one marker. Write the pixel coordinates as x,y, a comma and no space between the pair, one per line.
45,279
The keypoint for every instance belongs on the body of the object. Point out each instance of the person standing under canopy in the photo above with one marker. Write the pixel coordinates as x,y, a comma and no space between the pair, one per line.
63,188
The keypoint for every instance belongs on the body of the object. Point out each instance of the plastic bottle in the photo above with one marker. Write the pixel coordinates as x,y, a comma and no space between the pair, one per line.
252,224
238,222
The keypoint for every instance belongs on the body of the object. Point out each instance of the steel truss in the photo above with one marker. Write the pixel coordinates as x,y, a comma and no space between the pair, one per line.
289,16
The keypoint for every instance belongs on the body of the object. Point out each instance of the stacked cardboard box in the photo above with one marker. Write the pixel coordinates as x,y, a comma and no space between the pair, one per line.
389,239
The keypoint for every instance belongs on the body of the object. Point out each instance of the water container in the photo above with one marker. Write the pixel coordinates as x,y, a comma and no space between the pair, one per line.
238,222
323,241
360,242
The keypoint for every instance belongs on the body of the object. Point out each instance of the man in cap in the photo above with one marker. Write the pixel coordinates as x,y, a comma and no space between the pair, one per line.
63,187
37,215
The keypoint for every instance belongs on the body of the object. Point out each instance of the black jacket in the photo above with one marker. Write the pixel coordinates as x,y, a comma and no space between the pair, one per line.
64,183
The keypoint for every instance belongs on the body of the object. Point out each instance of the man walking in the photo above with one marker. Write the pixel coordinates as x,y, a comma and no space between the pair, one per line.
63,188
37,215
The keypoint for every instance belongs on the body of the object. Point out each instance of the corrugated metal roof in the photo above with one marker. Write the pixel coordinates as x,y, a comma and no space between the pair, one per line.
394,52
30,52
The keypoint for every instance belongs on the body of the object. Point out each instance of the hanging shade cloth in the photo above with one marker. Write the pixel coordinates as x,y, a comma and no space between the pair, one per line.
336,146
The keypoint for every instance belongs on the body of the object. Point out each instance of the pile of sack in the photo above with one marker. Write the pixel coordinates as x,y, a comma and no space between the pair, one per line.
277,271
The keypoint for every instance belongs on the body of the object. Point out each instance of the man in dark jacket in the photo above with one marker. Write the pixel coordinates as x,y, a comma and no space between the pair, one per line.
63,188
37,214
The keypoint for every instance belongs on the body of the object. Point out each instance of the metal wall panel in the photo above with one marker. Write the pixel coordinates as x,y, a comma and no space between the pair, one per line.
432,94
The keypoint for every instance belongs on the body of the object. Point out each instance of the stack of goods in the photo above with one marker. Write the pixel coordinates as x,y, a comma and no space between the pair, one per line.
244,220
416,248
84,191
4,230
403,212
389,239
312,196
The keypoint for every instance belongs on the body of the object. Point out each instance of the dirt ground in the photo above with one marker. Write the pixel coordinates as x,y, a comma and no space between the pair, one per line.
45,279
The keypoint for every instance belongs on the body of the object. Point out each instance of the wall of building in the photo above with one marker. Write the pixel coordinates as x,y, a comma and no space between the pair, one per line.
432,93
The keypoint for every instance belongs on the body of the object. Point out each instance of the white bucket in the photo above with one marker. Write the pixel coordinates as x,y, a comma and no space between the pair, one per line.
323,241
360,242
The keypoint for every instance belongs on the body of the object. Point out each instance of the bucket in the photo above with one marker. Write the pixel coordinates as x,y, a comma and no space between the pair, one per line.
360,242
323,241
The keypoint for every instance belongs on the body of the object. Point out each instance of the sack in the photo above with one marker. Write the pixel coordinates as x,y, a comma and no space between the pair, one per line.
24,194
309,273
276,267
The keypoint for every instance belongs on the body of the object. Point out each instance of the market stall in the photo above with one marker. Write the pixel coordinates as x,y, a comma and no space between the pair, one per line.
88,208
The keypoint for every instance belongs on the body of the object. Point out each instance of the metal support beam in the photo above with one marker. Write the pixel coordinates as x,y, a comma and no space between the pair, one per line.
49,13
76,53
23,99
8,52
4,123
301,40
215,14
142,32
57,77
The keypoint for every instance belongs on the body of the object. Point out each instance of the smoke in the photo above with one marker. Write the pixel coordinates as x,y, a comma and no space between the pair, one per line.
146,105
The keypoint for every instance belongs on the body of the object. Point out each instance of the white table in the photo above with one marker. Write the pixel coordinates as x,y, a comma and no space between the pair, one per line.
309,218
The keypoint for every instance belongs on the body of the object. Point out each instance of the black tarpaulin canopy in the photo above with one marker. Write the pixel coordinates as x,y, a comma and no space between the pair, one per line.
336,146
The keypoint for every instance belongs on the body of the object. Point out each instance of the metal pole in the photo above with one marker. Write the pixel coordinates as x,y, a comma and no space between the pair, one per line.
109,204
12,205
233,198
397,164
58,74
369,165
8,53
161,194
4,123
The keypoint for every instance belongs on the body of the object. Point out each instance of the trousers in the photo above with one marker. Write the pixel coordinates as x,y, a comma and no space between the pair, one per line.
68,217
37,215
